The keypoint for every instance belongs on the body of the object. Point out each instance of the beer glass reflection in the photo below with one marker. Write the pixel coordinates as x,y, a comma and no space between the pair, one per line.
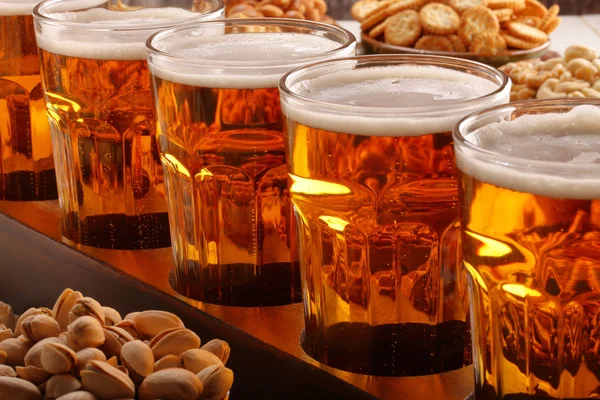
220,133
531,218
375,195
97,83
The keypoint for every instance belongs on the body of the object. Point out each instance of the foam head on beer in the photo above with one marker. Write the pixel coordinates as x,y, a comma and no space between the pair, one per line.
396,100
554,155
17,7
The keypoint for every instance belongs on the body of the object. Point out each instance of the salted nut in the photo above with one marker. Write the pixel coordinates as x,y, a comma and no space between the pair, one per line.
18,389
7,317
219,348
129,326
195,360
86,306
216,380
59,385
86,355
5,370
84,332
15,350
57,358
114,339
5,333
111,316
78,395
174,341
107,382
152,322
171,384
64,304
137,357
170,361
3,357
33,374
39,327
33,356
27,314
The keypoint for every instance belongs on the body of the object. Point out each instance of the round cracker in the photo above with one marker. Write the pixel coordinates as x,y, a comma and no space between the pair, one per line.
551,14
526,32
434,43
403,29
362,8
551,25
500,4
457,43
463,5
517,43
529,20
376,16
439,19
401,5
504,14
488,43
475,21
378,29
533,8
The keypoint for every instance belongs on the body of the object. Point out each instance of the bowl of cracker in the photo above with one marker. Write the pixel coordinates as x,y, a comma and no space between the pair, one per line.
494,32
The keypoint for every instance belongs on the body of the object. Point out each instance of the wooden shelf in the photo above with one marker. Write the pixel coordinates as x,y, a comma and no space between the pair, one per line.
36,264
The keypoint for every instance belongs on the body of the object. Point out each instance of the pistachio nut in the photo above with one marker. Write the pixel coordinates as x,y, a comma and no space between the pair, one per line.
86,355
137,357
33,356
64,303
27,314
15,350
59,385
57,358
174,341
219,348
106,382
170,384
217,381
39,327
129,326
195,360
111,316
152,322
113,362
5,333
33,374
86,306
18,389
114,339
170,361
5,370
7,317
84,332
3,357
78,395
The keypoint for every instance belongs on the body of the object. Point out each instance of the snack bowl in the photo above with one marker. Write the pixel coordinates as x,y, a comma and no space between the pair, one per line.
372,46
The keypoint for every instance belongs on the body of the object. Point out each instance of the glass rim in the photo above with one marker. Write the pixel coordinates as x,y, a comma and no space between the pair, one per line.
152,51
399,59
217,7
508,161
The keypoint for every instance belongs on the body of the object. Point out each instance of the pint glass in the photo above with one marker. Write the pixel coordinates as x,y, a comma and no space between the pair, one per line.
530,201
220,133
26,165
110,181
375,194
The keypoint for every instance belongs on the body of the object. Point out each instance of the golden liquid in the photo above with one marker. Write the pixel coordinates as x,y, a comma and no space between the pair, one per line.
110,179
225,169
534,265
384,290
26,164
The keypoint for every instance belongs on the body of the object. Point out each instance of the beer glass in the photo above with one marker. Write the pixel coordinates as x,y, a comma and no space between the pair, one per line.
99,103
374,190
220,133
26,165
531,245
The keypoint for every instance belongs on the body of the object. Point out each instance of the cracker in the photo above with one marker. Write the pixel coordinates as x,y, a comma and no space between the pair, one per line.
475,21
526,32
378,29
434,43
488,43
464,5
376,16
362,8
457,43
439,19
529,20
517,43
504,14
551,14
534,8
401,5
403,29
551,25
499,4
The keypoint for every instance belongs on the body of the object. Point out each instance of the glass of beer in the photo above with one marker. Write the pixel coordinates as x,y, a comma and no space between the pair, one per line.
220,133
375,193
99,102
530,207
26,164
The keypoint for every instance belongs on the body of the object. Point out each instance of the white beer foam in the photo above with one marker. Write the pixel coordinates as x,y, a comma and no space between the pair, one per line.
278,52
396,88
566,146
91,41
17,7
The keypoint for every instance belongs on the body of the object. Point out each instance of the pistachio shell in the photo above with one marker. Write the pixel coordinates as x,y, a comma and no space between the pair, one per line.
114,339
170,384
84,332
18,389
5,333
64,303
86,355
174,341
3,357
137,357
15,350
33,356
129,326
217,381
7,317
131,315
86,306
27,314
219,348
111,316
152,322
57,358
39,327
170,361
195,360
32,374
5,370
106,382
79,395
59,385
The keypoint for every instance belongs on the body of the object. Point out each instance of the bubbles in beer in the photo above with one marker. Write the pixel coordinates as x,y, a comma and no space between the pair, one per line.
104,17
17,7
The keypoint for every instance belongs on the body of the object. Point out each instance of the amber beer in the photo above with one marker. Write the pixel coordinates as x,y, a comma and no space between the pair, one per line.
97,83
26,165
531,240
376,199
220,131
